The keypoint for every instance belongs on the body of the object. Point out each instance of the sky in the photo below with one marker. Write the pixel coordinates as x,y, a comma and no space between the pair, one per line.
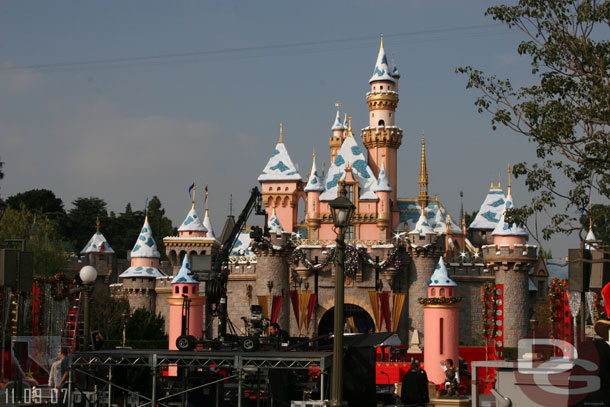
127,100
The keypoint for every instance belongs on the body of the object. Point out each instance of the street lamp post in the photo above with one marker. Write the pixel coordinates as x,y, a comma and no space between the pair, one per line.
342,210
87,274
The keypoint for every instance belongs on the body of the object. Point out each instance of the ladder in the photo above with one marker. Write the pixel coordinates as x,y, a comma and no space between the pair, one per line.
73,327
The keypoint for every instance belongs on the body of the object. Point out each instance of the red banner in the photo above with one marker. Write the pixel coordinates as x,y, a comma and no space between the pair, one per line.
384,299
276,306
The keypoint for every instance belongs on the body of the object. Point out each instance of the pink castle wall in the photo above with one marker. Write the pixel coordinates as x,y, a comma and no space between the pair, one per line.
509,240
144,262
433,352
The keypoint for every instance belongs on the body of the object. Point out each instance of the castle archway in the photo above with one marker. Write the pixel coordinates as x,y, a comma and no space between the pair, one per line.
362,320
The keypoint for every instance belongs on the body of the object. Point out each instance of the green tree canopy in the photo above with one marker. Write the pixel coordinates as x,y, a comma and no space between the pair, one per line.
41,201
107,315
41,236
566,113
161,225
122,230
144,325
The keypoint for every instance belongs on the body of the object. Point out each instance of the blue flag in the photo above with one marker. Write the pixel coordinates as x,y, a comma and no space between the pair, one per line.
191,190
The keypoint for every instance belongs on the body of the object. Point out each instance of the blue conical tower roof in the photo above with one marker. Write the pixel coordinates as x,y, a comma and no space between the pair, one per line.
383,183
274,224
382,68
338,124
315,182
192,222
440,277
491,209
280,166
504,228
145,245
207,223
185,275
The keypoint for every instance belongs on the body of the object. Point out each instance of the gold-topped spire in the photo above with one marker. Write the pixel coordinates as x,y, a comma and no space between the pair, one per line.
281,141
423,199
381,40
464,225
448,223
194,192
314,154
509,180
337,105
206,199
97,224
349,127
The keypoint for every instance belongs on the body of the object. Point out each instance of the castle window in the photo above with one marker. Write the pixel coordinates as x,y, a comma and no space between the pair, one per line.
433,292
442,292
390,114
177,290
194,290
381,87
133,279
381,123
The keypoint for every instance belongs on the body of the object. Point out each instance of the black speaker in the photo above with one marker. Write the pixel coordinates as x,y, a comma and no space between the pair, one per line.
579,272
26,271
8,267
600,271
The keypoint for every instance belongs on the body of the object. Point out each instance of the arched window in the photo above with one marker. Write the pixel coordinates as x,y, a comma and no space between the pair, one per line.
433,292
381,123
185,290
442,292
177,290
194,290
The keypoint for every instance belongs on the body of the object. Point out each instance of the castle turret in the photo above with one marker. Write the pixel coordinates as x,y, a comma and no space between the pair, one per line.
184,284
192,225
139,279
207,222
441,317
511,260
339,133
381,137
281,185
99,254
383,190
425,248
313,189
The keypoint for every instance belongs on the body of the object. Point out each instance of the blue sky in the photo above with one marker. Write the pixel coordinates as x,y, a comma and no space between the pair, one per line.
142,127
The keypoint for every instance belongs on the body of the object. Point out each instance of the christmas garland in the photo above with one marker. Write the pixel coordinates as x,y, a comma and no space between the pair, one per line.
489,314
598,307
557,292
60,286
439,300
299,255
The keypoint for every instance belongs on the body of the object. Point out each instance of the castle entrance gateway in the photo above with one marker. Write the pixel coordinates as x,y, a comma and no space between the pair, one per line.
357,318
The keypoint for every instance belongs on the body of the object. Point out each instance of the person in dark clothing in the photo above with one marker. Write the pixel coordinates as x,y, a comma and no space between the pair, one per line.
415,386
64,368
275,331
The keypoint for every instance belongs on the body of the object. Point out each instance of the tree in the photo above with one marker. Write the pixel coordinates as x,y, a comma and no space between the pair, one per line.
566,113
160,224
82,219
144,325
41,236
107,314
41,201
122,231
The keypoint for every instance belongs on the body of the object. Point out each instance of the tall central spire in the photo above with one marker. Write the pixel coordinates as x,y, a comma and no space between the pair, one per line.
423,199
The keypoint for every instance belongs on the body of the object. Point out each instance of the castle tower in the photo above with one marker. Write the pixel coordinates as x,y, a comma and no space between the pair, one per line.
383,190
194,237
441,317
313,189
100,255
454,236
281,185
422,198
139,279
382,138
272,267
425,248
339,133
511,260
184,283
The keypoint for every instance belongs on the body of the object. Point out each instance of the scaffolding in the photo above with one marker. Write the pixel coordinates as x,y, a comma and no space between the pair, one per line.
98,368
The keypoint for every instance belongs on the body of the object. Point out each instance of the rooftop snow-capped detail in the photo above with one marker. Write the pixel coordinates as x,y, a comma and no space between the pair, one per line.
491,210
338,124
393,68
422,227
315,182
383,184
145,245
280,166
352,154
440,277
142,272
504,228
192,223
97,244
207,223
242,245
274,224
382,69
185,275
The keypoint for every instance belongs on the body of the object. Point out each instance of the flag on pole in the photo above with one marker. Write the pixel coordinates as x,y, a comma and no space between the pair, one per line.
146,206
191,189
206,197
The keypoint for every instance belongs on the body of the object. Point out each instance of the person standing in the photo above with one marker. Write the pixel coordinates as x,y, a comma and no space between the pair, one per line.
415,386
64,368
452,377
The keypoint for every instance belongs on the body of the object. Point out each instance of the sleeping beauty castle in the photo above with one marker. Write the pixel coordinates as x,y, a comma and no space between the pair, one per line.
394,244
